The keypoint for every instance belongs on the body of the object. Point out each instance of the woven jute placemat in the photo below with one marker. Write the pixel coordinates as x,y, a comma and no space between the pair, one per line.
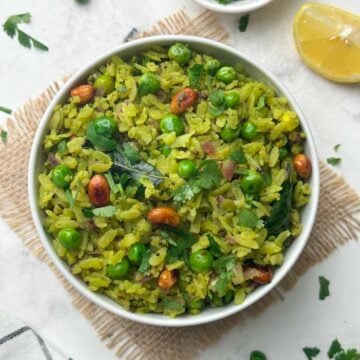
337,222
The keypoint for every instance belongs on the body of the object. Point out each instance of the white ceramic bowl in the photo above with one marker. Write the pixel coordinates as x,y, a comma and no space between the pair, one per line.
231,56
236,7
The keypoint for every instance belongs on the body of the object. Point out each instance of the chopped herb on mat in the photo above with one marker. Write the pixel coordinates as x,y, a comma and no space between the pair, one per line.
336,147
311,352
257,355
4,136
333,161
335,348
11,28
243,22
324,288
5,110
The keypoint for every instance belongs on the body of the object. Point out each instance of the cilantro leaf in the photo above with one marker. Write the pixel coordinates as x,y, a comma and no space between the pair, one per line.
336,147
248,218
216,102
257,355
214,247
183,244
333,161
174,304
195,74
324,288
88,212
311,352
11,28
5,110
61,146
144,265
335,348
243,22
115,188
225,263
4,136
261,102
351,354
71,200
131,153
207,178
238,156
106,211
222,283
168,238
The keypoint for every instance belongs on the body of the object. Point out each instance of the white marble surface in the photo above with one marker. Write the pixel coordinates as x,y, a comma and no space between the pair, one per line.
75,34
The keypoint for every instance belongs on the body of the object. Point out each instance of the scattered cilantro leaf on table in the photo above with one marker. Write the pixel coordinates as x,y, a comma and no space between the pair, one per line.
324,288
333,161
4,136
335,348
5,110
311,352
82,1
351,354
11,28
257,355
244,22
207,178
336,147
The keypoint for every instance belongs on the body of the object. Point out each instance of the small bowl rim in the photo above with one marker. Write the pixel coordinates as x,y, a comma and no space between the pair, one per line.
162,320
236,7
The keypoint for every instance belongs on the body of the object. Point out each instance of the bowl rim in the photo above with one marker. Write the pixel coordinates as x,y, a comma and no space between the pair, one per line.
117,308
236,7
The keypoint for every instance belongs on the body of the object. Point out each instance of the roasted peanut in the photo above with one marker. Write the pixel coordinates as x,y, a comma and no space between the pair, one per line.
163,216
302,165
182,100
259,274
99,190
85,93
167,279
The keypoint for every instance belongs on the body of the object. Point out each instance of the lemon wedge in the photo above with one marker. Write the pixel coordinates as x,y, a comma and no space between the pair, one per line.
328,40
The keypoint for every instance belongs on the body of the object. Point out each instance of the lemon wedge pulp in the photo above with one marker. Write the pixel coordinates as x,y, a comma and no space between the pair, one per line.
328,40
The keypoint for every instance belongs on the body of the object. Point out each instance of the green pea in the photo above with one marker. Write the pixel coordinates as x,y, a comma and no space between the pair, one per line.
212,66
171,123
201,261
228,134
186,168
283,153
136,253
252,183
249,131
232,99
105,126
105,82
226,74
149,84
165,150
70,238
120,270
62,176
180,53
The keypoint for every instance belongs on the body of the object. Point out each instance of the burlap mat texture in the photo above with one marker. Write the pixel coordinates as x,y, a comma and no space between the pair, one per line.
337,222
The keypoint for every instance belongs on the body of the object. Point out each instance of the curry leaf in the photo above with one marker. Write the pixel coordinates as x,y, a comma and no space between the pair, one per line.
139,170
131,153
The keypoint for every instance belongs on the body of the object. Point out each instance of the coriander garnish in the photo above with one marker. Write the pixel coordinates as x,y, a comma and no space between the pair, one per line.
311,352
11,28
243,22
324,288
333,160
